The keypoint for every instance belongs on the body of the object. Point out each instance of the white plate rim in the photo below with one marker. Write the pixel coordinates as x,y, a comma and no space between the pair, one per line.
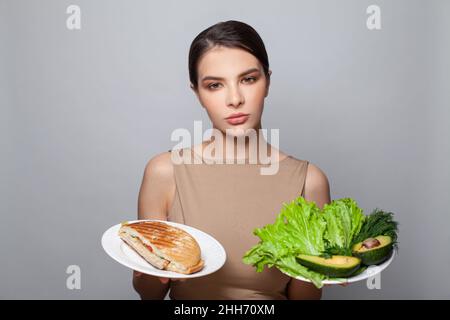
112,243
369,272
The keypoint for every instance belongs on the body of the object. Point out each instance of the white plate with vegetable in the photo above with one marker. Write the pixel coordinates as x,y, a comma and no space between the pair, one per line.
334,245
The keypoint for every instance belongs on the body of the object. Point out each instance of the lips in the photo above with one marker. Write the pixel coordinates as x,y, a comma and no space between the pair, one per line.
237,115
237,118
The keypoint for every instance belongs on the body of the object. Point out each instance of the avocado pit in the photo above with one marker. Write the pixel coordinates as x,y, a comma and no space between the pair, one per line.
371,243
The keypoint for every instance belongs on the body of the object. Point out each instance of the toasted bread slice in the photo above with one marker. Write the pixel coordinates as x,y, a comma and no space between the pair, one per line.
164,246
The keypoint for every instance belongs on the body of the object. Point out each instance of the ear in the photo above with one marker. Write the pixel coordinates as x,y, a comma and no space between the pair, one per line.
268,82
194,89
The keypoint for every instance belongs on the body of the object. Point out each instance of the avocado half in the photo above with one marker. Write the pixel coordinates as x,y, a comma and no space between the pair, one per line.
335,267
373,250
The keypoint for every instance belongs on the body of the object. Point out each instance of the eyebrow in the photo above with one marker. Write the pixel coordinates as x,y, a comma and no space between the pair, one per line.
240,75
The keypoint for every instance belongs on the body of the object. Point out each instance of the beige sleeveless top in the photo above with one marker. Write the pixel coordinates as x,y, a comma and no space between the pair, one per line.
228,201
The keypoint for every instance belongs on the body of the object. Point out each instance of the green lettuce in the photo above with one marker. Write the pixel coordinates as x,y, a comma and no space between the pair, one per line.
299,229
303,228
344,220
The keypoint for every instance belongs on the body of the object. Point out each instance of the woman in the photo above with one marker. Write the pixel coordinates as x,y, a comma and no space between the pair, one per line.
229,73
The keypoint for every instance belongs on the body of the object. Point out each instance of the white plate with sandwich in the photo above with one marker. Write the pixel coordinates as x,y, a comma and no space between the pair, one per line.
164,249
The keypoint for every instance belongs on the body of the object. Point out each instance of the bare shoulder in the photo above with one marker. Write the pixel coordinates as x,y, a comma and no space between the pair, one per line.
160,166
315,176
317,187
157,188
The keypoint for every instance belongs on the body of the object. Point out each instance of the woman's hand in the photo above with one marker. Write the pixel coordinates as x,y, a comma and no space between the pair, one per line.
162,279
165,280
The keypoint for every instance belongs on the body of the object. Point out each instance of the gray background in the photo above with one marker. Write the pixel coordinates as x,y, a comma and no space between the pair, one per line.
83,111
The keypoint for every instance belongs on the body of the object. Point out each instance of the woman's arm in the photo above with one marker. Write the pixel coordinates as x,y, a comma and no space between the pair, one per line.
317,189
155,196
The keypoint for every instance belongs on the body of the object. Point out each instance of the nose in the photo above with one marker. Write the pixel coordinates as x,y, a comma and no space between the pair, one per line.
234,97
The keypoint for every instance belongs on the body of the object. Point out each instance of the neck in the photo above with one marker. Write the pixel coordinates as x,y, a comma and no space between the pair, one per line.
250,145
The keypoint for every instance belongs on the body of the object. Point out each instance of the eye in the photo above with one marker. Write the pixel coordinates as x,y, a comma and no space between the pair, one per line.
213,86
249,79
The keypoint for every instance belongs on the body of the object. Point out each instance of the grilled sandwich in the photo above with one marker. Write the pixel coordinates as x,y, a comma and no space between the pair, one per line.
164,246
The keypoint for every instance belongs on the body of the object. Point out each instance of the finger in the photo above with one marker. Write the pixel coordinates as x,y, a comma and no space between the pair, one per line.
164,280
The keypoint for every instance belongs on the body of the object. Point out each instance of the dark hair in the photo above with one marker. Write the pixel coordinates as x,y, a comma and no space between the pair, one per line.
230,34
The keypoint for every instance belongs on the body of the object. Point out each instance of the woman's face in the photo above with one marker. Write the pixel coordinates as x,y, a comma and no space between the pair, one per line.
230,82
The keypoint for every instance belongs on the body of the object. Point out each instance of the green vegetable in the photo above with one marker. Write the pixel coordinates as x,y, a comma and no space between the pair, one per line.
361,269
298,229
319,244
378,223
381,250
336,266
344,220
